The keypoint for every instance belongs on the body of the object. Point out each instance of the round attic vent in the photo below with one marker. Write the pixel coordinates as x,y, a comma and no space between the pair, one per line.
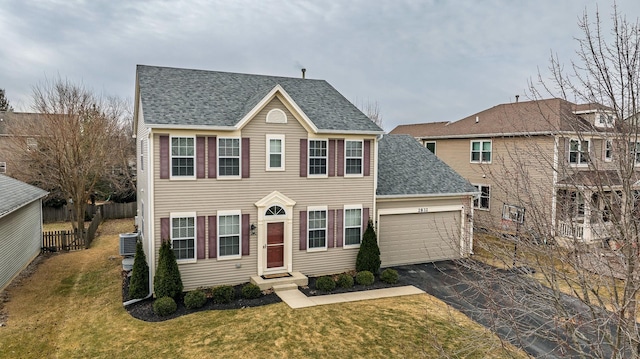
276,116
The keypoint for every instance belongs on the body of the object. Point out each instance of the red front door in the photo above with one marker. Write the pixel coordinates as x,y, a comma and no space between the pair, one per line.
275,245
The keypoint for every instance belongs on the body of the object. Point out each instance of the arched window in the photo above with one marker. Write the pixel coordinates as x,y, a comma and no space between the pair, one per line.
275,211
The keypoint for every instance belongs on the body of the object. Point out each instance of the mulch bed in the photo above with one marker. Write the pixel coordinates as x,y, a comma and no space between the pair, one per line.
143,310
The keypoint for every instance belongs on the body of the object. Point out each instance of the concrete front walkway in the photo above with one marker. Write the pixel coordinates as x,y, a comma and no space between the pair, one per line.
296,299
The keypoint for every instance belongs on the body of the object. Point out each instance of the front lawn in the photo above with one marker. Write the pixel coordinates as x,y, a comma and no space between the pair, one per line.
71,307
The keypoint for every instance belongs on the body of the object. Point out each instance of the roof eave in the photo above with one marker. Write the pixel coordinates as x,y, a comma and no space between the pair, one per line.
426,195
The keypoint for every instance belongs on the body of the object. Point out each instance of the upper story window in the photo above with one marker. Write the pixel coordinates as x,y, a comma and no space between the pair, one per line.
604,119
229,157
431,146
513,213
481,151
183,235
317,228
275,152
317,157
608,150
182,156
3,167
353,157
352,226
483,200
579,152
635,152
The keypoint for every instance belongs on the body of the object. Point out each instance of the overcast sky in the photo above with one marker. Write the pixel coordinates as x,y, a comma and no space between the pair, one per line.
420,61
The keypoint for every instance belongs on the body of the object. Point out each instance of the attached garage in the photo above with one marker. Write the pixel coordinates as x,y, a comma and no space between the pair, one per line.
423,206
406,238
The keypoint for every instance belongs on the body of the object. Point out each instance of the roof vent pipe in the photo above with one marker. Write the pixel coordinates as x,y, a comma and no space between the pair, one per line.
303,72
517,97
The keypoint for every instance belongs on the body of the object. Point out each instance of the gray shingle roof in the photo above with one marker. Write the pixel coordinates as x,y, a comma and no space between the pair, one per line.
15,194
407,168
173,96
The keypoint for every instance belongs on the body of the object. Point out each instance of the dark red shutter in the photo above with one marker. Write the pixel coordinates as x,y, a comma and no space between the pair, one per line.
213,147
365,219
165,228
200,156
339,229
366,158
340,158
201,242
246,231
303,230
164,157
303,157
246,158
213,236
332,158
331,227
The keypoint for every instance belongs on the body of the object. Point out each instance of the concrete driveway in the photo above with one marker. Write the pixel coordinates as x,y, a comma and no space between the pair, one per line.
515,307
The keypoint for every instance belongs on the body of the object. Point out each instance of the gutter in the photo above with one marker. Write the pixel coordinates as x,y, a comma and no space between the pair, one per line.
431,195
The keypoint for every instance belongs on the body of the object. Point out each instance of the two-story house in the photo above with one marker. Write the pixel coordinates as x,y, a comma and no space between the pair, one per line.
250,176
551,157
9,157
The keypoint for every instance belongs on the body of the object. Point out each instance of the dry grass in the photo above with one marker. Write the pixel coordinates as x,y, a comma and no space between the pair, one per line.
71,307
60,226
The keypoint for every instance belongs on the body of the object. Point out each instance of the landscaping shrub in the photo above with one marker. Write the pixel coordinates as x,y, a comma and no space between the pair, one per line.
223,294
389,276
195,299
369,254
164,306
365,277
139,283
326,284
345,281
251,291
167,281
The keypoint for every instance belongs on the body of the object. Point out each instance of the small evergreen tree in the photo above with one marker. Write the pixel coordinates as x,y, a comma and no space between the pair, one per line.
167,281
369,254
139,284
4,103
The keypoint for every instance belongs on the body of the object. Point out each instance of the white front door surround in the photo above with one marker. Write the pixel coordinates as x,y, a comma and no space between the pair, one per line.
268,212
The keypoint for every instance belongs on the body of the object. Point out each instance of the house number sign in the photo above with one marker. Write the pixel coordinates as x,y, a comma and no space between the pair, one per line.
423,209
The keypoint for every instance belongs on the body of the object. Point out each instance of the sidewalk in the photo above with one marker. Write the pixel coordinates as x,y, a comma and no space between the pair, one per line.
296,299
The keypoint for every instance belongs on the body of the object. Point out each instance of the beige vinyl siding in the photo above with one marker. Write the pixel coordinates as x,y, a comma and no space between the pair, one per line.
20,240
209,195
142,186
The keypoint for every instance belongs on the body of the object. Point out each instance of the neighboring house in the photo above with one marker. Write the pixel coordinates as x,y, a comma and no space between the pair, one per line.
20,226
9,157
251,175
536,155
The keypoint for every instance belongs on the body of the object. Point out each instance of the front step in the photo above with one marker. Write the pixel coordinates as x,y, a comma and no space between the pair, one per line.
296,278
285,287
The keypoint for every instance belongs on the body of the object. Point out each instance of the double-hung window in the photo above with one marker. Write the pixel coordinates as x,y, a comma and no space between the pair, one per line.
183,235
317,228
317,157
579,152
229,234
352,226
353,157
275,152
183,156
431,146
481,151
608,150
229,157
635,152
482,201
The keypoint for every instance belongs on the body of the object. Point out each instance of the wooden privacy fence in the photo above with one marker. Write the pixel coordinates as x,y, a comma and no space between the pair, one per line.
109,211
55,241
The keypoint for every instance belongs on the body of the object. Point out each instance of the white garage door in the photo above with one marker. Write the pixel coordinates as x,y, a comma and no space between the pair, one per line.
419,237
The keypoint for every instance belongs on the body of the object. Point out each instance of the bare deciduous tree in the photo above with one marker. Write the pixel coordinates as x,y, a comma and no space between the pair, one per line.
77,140
372,110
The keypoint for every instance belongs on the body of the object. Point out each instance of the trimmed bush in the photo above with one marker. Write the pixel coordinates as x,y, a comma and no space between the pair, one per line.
195,299
325,284
365,278
164,306
345,281
223,294
369,254
389,276
139,283
167,281
251,291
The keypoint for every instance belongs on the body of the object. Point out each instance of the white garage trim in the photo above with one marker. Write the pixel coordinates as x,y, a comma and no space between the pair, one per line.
426,209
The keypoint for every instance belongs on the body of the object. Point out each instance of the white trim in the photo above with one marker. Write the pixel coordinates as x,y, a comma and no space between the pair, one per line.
229,213
176,177
275,120
344,225
430,195
237,127
326,158
268,167
228,177
326,228
193,215
481,151
435,146
361,174
151,247
278,199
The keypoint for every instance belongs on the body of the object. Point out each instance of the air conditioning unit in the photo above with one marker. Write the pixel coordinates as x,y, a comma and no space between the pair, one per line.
128,243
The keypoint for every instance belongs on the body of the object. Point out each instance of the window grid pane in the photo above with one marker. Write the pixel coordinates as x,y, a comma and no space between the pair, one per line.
352,223
353,155
229,231
182,156
317,157
317,229
183,237
229,157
